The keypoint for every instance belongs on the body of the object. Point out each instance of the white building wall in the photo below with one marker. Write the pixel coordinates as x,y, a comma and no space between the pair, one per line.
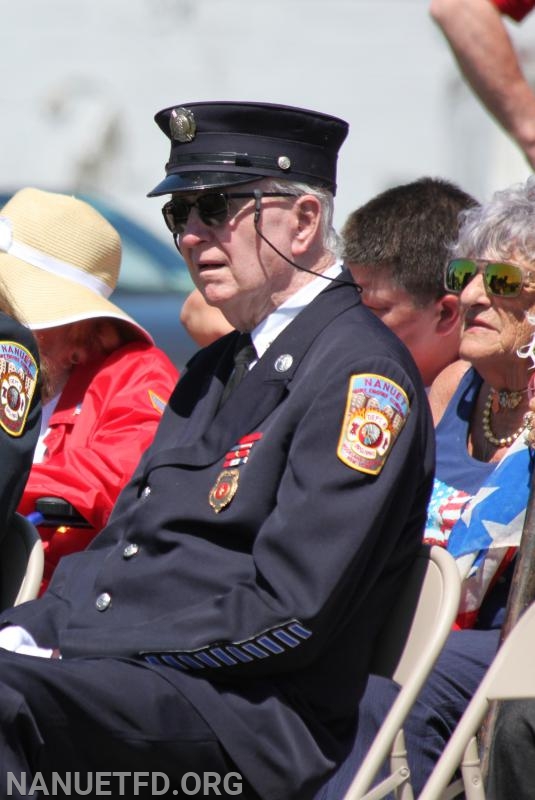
82,79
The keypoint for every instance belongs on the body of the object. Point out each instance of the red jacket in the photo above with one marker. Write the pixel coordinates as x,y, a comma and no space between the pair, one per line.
105,418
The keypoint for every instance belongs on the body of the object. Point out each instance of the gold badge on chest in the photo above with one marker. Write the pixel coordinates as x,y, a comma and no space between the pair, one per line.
224,489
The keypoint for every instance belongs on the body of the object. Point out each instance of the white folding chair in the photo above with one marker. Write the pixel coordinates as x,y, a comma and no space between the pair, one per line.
510,676
408,648
21,562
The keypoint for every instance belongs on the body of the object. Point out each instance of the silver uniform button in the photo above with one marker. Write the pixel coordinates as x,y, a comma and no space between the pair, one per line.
146,491
130,550
284,162
103,601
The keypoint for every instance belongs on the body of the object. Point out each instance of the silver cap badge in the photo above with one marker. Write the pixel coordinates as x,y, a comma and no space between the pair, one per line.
182,124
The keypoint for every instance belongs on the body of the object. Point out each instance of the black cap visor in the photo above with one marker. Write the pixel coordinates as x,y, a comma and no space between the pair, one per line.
198,181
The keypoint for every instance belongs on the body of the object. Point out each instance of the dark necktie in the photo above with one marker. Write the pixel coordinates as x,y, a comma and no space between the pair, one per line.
244,354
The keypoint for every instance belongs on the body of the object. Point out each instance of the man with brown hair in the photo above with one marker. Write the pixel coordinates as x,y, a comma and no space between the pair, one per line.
396,248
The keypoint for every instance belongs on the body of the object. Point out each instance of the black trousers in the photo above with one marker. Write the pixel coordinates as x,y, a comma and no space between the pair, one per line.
71,726
512,757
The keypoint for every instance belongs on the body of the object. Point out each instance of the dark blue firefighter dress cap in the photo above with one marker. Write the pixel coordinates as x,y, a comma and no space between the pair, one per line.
225,143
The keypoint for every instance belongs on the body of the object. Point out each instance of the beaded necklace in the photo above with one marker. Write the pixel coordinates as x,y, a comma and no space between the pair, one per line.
504,399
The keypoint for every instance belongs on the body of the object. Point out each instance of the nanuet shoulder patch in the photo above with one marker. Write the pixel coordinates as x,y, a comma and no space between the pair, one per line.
18,380
376,410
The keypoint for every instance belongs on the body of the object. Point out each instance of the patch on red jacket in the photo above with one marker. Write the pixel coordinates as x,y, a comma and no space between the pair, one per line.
18,380
156,401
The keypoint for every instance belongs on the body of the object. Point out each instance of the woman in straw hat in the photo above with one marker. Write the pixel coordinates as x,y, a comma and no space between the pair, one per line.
106,384
20,407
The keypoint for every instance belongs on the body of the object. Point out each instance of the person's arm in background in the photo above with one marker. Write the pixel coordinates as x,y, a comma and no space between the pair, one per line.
477,35
204,323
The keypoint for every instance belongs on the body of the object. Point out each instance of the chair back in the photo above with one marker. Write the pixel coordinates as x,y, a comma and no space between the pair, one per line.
21,562
408,647
510,676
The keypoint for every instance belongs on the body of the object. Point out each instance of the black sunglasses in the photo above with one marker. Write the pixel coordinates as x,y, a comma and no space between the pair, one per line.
501,279
213,208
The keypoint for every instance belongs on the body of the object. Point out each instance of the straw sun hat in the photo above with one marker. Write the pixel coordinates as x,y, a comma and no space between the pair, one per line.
59,260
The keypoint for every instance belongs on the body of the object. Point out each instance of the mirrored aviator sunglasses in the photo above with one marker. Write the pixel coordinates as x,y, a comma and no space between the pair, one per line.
501,279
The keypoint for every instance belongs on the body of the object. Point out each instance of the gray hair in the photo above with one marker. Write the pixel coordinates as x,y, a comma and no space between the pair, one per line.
330,238
502,228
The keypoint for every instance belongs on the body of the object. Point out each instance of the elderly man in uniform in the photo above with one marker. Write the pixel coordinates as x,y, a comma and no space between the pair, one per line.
222,623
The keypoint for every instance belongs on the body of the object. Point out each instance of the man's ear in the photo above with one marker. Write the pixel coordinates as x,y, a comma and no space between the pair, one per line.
448,319
308,210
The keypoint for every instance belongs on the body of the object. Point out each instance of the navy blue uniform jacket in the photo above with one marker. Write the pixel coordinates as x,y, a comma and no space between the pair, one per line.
20,412
264,612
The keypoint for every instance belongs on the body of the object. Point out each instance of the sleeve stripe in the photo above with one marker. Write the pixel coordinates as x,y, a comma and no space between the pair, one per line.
239,654
299,630
252,648
172,661
285,638
267,644
270,645
206,659
219,653
189,661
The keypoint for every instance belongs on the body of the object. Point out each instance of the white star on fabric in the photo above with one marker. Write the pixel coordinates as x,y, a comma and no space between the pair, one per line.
482,494
505,535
